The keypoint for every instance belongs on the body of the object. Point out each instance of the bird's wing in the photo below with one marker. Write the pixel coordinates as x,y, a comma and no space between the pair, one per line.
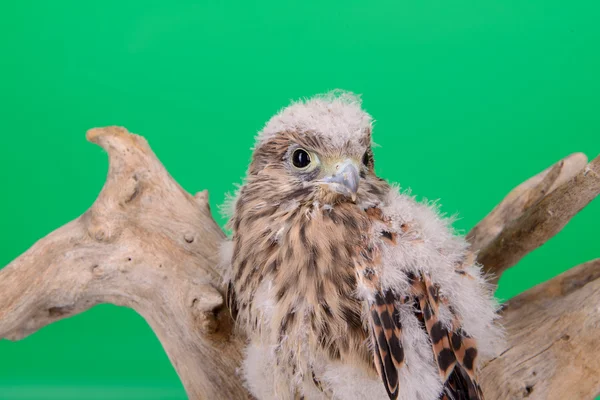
386,337
453,350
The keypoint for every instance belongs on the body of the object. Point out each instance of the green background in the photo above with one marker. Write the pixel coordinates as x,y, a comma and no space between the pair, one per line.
471,98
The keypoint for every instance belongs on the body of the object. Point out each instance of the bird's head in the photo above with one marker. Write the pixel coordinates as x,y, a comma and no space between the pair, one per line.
315,150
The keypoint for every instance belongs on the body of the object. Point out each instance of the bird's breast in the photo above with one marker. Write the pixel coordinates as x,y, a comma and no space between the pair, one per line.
296,279
316,284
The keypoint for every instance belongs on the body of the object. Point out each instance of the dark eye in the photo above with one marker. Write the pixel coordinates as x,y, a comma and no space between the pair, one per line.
366,158
300,158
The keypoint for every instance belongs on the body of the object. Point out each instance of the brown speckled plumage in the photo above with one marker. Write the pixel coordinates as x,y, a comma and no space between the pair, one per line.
303,258
315,255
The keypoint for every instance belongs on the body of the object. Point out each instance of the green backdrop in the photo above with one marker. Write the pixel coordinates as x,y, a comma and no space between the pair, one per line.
470,98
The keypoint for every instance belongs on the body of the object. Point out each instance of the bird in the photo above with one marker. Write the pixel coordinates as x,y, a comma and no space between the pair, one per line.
345,285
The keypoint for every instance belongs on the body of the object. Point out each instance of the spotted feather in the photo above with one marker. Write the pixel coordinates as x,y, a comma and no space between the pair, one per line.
460,383
386,337
386,329
428,301
463,385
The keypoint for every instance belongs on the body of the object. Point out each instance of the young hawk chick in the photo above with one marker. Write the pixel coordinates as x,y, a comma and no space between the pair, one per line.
346,288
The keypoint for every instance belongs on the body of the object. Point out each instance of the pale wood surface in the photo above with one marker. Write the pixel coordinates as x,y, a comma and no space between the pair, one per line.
553,344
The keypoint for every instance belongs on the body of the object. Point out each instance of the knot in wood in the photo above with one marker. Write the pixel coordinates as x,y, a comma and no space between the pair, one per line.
103,232
205,305
100,227
97,271
130,189
189,237
98,233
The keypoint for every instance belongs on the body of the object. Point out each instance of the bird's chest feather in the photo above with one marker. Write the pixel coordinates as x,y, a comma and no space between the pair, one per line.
297,278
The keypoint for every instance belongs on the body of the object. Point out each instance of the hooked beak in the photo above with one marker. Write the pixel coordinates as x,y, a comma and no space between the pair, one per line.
345,180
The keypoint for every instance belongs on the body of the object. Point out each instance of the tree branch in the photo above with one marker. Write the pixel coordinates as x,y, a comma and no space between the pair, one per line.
149,245
533,212
144,244
553,343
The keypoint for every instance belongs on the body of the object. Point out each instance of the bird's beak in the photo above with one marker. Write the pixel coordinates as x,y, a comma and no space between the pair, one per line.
345,180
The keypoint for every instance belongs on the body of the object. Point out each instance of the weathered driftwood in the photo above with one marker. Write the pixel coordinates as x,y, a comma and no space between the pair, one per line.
534,211
553,342
145,244
149,245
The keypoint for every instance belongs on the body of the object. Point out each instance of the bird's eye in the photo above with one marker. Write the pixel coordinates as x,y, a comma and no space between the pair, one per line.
300,158
366,158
